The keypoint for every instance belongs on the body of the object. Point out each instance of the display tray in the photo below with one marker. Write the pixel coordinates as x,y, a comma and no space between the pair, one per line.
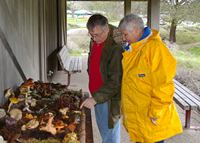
44,112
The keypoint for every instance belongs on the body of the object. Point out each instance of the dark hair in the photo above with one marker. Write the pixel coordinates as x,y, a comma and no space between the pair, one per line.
97,19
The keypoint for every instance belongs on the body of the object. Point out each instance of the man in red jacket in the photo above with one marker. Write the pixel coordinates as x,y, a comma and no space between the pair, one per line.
105,74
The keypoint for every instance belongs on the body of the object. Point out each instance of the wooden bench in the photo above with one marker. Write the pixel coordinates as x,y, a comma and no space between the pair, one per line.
187,100
68,63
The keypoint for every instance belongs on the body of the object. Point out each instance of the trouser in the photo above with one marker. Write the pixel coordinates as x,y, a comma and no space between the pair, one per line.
108,135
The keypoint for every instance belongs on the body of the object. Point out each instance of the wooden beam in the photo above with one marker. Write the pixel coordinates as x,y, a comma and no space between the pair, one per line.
105,0
127,7
153,14
12,55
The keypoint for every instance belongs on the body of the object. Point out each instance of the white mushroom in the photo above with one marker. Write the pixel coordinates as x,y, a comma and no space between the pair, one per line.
2,113
2,140
26,108
26,96
16,113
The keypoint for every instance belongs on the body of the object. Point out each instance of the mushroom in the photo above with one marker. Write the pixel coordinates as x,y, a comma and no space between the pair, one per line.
33,102
29,80
2,140
78,112
49,127
26,96
26,108
16,113
32,124
10,121
60,122
59,128
28,85
70,137
20,98
7,92
30,116
12,100
64,110
2,113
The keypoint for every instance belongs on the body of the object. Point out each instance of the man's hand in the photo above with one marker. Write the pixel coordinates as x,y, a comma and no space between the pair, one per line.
153,120
88,103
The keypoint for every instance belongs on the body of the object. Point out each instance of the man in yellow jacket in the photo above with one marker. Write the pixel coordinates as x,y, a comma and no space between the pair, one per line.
149,113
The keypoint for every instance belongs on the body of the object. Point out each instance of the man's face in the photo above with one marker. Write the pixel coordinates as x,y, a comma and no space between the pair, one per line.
98,35
130,37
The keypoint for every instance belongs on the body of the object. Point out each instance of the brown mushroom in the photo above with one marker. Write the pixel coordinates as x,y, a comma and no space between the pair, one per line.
60,122
29,80
7,92
28,85
59,128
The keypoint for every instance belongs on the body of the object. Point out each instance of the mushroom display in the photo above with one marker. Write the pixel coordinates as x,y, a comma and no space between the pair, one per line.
41,111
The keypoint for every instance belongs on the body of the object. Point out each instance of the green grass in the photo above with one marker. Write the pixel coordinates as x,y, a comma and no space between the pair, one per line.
184,35
195,50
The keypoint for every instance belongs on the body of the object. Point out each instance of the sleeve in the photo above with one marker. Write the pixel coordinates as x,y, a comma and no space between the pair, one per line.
112,84
163,70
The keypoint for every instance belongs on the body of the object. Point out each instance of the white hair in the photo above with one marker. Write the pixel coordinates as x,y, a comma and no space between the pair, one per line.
130,21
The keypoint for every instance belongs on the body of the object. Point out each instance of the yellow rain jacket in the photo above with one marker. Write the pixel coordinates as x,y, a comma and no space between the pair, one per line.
147,91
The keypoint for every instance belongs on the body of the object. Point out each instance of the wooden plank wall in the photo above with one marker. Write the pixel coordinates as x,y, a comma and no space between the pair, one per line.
30,27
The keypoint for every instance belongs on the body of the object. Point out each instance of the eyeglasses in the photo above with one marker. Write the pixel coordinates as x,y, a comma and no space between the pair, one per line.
95,36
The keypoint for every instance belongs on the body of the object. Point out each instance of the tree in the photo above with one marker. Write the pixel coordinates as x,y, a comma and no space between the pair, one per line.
112,10
178,11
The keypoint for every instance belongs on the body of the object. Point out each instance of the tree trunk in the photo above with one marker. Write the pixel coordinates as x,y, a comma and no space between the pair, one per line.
172,35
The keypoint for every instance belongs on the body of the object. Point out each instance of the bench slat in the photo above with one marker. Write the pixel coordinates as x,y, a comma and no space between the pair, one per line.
79,65
68,63
181,102
193,106
187,90
189,96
